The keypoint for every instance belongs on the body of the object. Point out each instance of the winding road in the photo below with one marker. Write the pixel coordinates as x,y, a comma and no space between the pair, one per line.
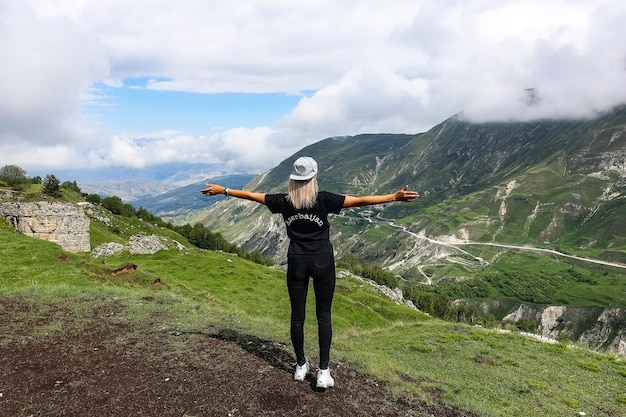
501,245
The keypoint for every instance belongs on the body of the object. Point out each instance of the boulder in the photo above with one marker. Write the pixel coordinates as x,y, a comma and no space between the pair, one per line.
107,249
145,245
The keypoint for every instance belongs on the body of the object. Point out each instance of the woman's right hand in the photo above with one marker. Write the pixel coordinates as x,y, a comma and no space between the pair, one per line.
406,195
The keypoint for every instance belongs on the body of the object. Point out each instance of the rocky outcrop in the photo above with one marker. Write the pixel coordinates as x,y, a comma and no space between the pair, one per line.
395,294
145,245
602,329
139,244
107,249
63,223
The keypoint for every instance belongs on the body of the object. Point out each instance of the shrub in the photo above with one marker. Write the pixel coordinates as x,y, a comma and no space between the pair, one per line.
71,186
52,186
93,198
564,338
13,175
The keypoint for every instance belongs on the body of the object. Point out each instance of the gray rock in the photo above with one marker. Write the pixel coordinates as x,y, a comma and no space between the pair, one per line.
107,249
598,328
63,223
145,245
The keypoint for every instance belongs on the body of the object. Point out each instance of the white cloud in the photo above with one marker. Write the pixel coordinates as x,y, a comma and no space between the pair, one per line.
247,148
567,51
47,66
393,66
243,149
369,100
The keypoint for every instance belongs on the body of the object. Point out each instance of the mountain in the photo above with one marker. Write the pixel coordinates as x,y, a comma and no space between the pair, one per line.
176,173
536,200
175,205
128,190
131,184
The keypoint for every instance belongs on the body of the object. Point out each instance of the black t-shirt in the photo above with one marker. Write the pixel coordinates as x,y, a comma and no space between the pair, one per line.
307,229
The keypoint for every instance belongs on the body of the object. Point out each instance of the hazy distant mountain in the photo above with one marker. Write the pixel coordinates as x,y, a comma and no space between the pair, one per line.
177,204
554,184
132,183
128,190
175,172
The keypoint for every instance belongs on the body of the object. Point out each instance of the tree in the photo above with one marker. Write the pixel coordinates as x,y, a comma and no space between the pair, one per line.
349,262
527,325
256,257
71,186
145,215
52,185
13,175
93,198
113,204
128,210
441,305
425,301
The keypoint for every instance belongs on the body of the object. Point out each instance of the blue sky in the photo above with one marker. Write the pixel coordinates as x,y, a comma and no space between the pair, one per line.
119,85
126,108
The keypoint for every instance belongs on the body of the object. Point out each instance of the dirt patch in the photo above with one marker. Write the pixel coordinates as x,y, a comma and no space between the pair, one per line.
104,366
64,257
123,271
483,360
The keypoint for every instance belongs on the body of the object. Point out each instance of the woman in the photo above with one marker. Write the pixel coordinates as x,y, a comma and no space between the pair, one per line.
305,213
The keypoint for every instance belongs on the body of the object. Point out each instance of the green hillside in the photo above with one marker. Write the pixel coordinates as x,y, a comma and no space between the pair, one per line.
196,291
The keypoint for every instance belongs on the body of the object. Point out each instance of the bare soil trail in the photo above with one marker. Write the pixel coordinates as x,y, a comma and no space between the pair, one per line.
102,366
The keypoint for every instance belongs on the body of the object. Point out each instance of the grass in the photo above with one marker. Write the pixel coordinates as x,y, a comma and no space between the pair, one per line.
494,374
547,280
498,374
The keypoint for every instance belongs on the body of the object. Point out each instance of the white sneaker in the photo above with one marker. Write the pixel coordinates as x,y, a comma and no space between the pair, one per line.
324,380
301,371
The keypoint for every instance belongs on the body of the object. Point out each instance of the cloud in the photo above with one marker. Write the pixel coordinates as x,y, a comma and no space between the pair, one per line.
566,51
366,66
368,100
244,149
48,65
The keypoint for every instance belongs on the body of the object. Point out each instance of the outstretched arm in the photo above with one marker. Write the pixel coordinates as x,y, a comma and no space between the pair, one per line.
402,195
213,189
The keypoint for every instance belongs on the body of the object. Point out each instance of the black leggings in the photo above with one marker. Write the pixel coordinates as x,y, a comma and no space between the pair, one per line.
322,269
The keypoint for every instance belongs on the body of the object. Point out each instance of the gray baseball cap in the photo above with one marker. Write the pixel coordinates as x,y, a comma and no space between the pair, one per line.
304,169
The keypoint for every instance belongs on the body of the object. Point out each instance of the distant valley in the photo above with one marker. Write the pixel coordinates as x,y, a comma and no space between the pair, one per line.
180,205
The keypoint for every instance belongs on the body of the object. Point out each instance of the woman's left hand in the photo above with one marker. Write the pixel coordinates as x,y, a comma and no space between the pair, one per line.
406,195
213,189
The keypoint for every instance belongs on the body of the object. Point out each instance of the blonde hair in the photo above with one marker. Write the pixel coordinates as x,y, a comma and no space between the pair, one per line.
302,194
